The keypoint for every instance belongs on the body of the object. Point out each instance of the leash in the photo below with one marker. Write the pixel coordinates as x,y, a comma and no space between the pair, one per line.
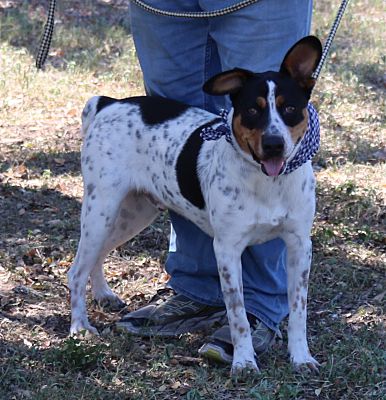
48,32
199,14
330,38
46,39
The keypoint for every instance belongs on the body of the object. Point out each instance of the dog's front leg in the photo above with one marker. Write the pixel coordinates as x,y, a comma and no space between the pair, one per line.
299,254
229,268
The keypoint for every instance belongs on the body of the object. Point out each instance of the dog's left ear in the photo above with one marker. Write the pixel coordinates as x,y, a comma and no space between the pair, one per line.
301,60
228,82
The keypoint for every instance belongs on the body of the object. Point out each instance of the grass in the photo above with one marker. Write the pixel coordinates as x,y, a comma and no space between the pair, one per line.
40,196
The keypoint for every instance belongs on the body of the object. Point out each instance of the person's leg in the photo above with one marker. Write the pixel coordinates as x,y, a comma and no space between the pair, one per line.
258,37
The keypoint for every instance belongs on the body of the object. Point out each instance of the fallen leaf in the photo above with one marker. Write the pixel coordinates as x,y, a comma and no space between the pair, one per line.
176,385
60,161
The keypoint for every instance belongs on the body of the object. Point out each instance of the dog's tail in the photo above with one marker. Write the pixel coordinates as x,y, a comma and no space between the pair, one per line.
88,114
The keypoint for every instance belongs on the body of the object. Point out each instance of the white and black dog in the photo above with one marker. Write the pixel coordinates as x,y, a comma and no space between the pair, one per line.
141,154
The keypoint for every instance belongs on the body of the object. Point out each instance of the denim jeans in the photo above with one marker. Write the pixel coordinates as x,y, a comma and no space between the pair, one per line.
177,56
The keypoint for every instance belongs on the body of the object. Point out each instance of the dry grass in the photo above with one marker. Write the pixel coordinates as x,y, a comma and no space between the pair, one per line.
40,196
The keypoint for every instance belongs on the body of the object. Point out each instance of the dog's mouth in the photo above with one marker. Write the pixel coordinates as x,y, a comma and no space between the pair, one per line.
271,167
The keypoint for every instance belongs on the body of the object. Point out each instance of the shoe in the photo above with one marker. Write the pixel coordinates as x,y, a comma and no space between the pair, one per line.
171,314
219,348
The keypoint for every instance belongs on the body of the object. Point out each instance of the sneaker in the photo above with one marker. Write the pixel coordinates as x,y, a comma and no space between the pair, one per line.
171,314
219,348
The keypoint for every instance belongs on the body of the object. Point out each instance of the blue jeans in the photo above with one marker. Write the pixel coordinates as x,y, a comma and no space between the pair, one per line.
177,56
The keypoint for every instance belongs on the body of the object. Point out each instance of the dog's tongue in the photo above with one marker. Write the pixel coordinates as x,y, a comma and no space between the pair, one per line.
273,166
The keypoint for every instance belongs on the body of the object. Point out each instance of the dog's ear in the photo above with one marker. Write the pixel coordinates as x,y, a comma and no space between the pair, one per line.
228,82
301,60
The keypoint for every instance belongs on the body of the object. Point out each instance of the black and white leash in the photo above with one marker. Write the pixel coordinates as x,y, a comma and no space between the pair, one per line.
330,38
49,27
45,42
199,14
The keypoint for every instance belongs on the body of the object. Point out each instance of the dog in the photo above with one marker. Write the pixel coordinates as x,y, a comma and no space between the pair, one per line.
143,154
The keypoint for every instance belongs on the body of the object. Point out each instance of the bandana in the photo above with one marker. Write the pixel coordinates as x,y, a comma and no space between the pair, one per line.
307,148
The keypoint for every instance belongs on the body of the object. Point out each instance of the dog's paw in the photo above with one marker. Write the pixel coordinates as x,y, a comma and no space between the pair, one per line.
305,364
111,303
82,328
244,370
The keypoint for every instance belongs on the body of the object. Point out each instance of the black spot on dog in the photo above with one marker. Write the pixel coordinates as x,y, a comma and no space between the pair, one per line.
103,102
90,188
227,191
186,169
154,109
304,185
168,191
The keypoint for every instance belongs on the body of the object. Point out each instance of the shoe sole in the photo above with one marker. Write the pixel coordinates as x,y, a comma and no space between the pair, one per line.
215,354
176,328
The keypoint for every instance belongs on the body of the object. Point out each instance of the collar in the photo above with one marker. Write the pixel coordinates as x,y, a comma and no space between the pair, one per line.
305,151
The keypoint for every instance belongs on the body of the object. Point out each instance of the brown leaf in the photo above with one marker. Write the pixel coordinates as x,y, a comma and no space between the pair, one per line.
60,161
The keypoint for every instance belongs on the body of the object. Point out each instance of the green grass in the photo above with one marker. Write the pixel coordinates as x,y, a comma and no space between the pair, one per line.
40,193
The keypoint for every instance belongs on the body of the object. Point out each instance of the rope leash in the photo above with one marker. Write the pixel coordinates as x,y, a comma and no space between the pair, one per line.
46,39
199,14
330,38
45,42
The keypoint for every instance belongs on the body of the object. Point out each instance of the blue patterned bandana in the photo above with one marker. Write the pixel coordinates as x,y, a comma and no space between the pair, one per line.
307,148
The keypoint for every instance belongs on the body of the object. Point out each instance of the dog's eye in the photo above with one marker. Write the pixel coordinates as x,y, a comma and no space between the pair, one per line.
252,111
289,109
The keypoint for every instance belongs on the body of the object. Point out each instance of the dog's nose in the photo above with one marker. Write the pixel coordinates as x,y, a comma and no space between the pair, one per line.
273,145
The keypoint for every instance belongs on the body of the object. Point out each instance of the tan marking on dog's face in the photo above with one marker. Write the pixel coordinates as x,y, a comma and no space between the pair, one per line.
245,136
298,131
261,102
279,101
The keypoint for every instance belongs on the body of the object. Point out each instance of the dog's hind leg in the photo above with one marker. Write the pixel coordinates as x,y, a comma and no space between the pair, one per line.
135,213
102,217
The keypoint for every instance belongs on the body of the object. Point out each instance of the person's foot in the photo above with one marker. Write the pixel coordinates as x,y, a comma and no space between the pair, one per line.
171,314
219,348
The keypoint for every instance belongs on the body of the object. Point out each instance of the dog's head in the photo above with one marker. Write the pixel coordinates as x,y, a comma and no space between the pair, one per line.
270,108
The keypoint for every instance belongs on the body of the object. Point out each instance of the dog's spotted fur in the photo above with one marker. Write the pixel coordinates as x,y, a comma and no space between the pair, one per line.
142,154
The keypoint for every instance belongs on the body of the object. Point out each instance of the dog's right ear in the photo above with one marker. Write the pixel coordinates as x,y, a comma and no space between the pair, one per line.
228,82
301,60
